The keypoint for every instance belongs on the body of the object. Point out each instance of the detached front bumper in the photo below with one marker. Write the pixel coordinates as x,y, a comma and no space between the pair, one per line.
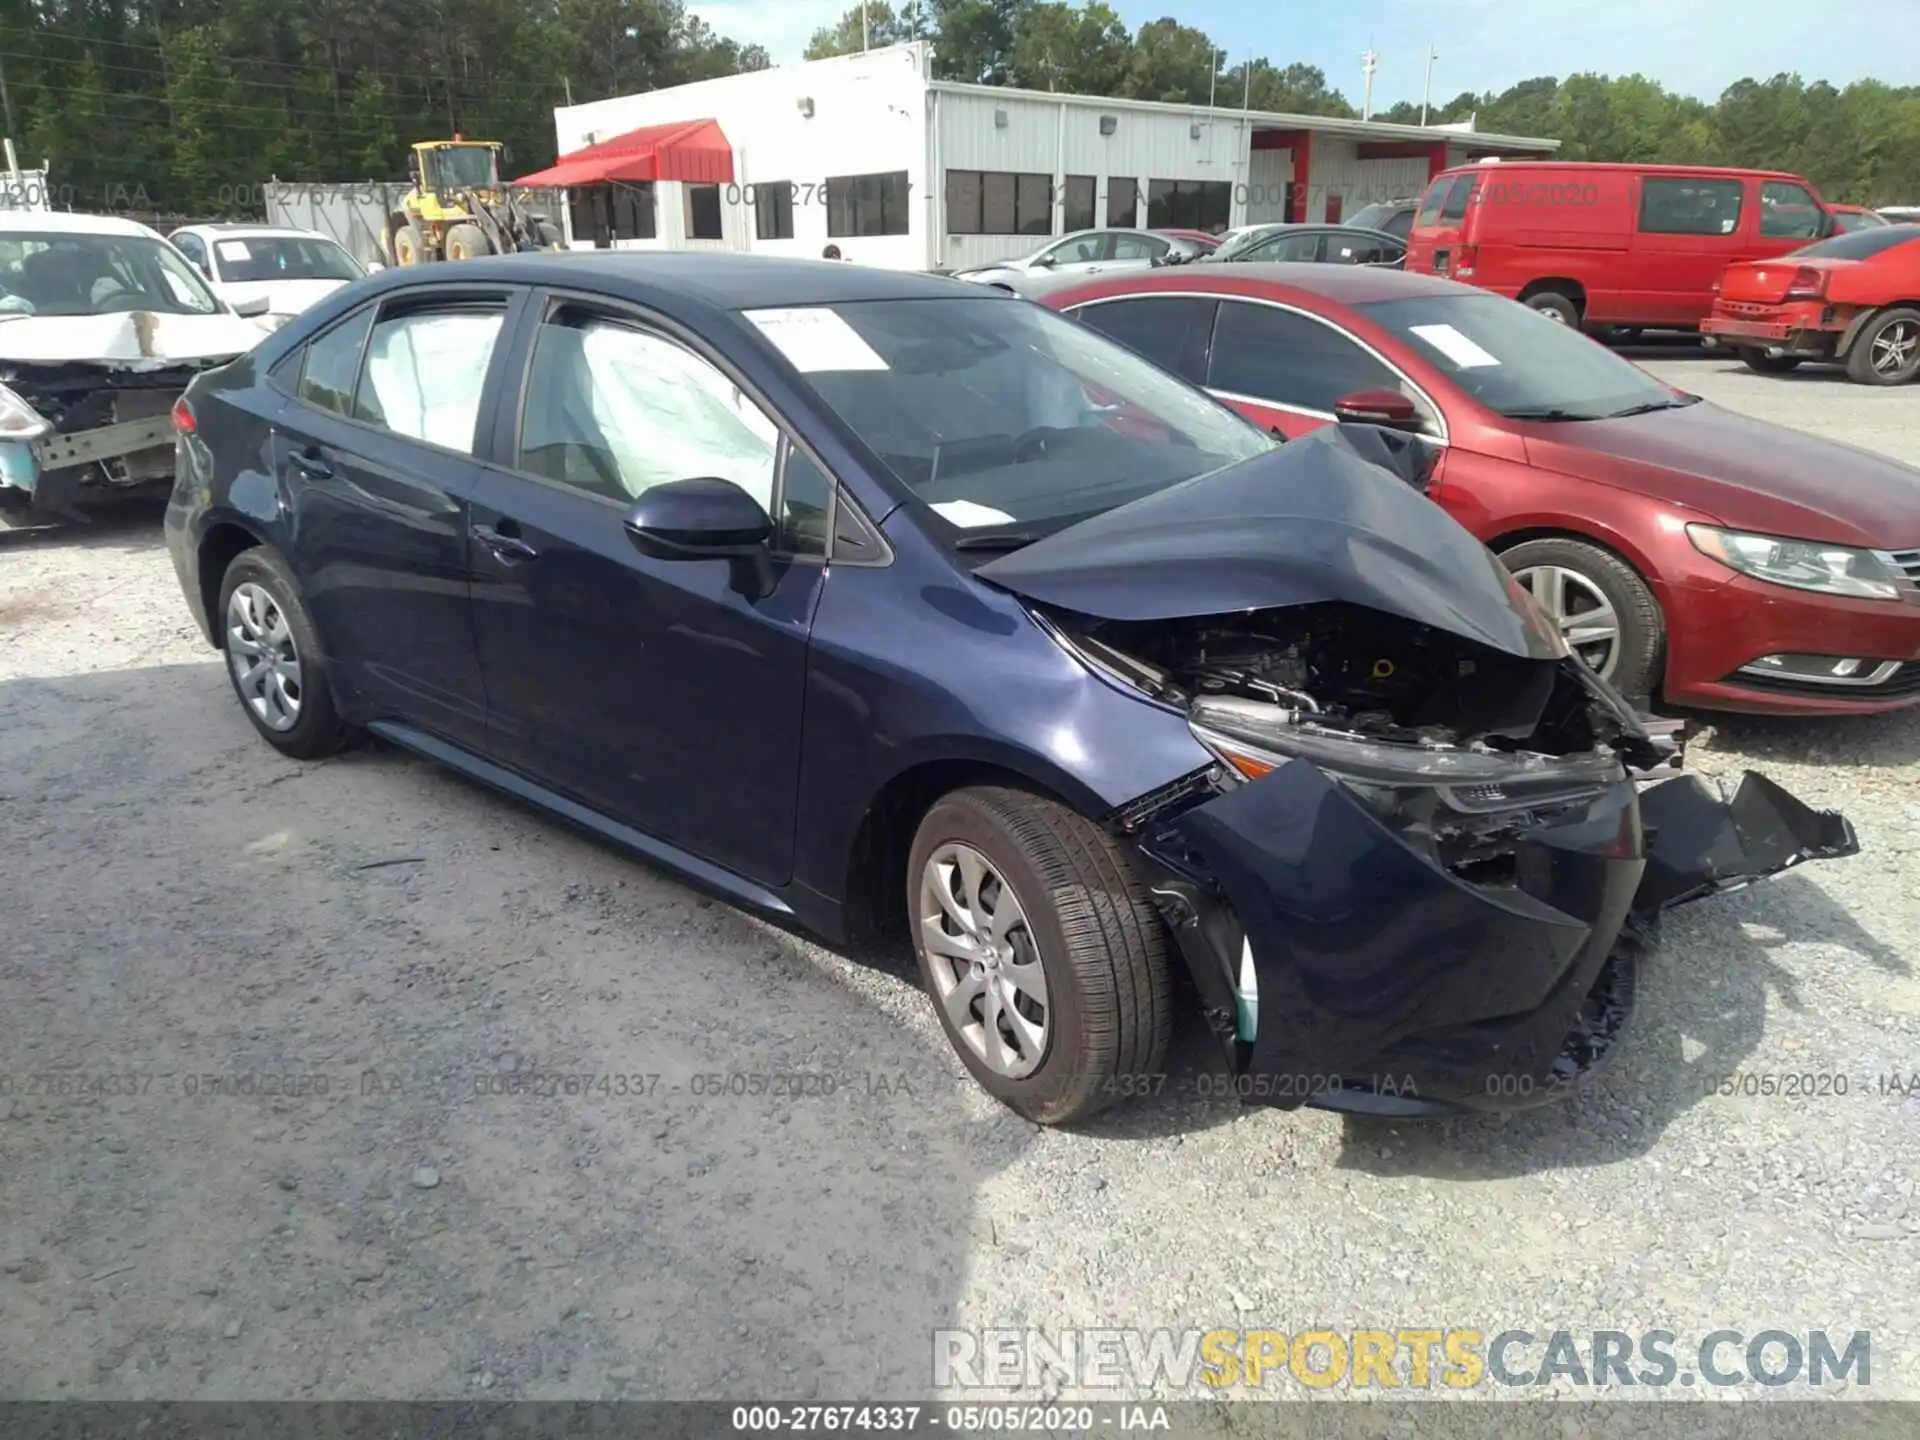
1380,980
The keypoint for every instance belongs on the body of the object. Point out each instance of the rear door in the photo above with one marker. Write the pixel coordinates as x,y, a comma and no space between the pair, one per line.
1302,247
1079,254
1175,332
663,693
377,457
1686,229
1134,251
1438,225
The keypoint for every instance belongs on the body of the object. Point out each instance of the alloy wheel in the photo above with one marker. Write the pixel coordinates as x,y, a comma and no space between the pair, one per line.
985,960
1582,611
265,661
1894,347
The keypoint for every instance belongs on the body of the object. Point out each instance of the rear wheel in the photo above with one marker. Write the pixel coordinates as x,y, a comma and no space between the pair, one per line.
466,241
274,658
1042,951
1556,306
1768,364
1601,605
1887,349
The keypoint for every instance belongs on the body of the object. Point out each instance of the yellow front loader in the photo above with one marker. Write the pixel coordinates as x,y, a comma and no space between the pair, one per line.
459,207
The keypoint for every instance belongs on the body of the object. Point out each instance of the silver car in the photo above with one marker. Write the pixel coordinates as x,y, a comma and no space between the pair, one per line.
1089,252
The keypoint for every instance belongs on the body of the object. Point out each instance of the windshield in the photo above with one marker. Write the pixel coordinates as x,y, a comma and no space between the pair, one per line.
1860,244
1519,363
1003,416
284,257
1849,220
57,273
462,167
1393,216
1245,240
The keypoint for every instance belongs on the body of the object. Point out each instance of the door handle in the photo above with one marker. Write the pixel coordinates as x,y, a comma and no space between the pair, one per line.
506,547
312,462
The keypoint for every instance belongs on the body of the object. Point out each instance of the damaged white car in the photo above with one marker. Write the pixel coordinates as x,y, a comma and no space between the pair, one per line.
102,324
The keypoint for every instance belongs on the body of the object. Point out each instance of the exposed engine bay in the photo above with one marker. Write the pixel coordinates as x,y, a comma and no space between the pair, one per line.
1341,669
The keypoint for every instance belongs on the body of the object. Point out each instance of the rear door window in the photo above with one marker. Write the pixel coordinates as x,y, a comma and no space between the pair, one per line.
1286,247
424,371
332,362
1677,205
1290,359
1454,208
1160,328
1139,247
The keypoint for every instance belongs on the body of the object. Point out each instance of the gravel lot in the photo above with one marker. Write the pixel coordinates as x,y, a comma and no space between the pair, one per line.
180,903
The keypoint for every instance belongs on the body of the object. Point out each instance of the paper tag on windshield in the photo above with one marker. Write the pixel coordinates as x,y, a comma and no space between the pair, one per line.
814,339
969,516
231,249
1455,346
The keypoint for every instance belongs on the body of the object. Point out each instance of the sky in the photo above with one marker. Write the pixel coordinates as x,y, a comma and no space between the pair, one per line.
1696,47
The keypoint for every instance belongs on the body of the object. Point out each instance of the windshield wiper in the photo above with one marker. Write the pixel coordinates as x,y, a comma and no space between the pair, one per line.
998,540
1676,403
1546,413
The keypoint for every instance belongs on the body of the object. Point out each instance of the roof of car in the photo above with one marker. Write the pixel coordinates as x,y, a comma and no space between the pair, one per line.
1345,284
264,232
722,281
69,222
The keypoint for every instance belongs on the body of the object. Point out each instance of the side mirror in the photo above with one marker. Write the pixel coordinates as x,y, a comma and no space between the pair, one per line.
1041,262
1386,408
706,519
247,309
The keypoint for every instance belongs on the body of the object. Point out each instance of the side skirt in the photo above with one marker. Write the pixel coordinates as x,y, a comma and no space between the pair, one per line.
691,868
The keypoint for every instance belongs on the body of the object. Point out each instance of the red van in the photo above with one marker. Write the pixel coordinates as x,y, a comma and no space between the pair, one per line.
1609,245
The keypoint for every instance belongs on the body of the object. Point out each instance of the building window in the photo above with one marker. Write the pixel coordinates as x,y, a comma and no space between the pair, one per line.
867,204
703,213
1689,207
1079,212
996,202
604,213
772,210
1123,200
1189,204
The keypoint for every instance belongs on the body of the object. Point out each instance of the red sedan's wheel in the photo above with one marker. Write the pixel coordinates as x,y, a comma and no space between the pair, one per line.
1601,605
1887,350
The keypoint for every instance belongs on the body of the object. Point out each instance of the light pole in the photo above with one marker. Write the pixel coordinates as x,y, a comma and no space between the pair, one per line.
1367,67
1426,95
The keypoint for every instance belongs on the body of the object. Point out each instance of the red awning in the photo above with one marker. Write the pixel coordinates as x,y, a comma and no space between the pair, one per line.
695,150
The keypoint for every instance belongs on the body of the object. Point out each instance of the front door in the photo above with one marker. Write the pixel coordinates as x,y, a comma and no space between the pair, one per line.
662,693
376,457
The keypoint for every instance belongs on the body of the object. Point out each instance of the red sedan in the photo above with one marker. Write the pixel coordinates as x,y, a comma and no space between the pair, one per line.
1729,563
1847,300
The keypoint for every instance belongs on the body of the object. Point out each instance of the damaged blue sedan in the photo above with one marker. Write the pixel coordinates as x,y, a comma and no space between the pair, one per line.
882,605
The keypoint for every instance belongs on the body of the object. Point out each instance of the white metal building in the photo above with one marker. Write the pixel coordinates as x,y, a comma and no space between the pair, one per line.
869,153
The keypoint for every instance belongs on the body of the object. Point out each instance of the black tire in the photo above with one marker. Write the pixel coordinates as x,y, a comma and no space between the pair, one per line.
1862,365
1561,307
1767,364
1636,671
466,241
318,729
1101,945
416,243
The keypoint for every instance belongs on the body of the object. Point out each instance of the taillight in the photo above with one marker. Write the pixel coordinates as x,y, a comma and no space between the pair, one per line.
1464,257
1807,284
183,421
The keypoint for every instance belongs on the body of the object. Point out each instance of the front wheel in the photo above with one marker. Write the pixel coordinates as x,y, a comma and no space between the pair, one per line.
1767,364
1887,349
467,241
1600,603
1042,951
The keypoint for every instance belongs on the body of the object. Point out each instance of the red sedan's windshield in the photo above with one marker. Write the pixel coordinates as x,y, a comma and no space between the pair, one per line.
1517,362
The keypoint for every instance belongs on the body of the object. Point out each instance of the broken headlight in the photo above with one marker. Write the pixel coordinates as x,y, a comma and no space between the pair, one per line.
19,420
1255,739
1802,564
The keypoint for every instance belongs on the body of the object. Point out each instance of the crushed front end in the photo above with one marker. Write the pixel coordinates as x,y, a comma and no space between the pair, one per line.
76,432
1419,876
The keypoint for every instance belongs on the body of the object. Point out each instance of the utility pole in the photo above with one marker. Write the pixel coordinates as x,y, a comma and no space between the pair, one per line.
1426,95
1213,80
863,27
5,98
1367,66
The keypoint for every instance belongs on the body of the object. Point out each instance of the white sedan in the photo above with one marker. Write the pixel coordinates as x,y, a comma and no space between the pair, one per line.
289,269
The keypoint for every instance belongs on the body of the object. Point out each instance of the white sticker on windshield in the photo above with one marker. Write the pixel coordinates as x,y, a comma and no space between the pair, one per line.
815,338
1455,346
232,249
969,516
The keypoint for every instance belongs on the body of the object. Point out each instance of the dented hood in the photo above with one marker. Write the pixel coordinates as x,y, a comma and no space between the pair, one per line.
137,339
1319,519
